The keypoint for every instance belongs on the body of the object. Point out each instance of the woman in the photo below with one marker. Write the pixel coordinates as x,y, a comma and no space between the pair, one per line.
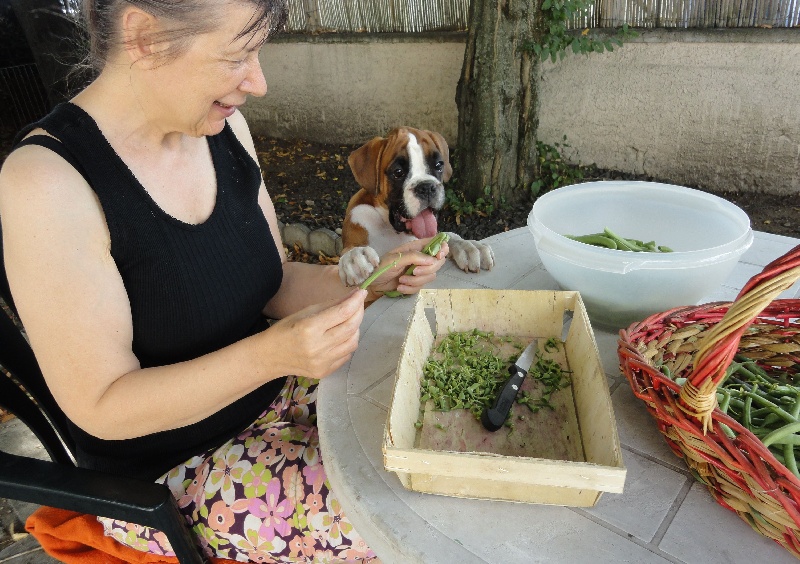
143,202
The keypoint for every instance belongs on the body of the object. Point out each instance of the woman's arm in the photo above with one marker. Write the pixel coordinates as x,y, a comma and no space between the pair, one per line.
73,303
76,312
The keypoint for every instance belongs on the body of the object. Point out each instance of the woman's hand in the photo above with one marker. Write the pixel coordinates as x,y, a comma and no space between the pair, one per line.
317,340
405,256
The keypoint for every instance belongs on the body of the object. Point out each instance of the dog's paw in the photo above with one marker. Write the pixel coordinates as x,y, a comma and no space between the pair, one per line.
357,264
470,256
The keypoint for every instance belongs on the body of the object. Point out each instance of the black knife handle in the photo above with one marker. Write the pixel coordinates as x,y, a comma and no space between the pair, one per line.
495,416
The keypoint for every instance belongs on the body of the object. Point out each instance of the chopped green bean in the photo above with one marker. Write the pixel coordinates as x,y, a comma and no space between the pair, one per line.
464,372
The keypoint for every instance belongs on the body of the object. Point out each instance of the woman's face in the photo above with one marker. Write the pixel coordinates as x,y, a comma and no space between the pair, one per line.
197,91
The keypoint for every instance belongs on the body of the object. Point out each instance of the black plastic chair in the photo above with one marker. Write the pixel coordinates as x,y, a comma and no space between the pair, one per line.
59,483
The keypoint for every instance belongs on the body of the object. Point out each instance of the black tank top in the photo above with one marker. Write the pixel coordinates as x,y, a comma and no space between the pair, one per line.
193,289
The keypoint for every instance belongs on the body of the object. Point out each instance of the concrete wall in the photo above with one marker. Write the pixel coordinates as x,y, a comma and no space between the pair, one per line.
351,89
719,109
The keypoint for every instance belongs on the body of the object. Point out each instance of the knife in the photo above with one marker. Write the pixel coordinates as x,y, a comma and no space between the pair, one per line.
495,416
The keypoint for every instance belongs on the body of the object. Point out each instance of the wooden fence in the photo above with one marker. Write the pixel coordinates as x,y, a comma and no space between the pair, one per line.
409,16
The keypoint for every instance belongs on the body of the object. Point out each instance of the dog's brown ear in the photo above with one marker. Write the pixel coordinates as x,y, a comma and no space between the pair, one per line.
365,162
444,150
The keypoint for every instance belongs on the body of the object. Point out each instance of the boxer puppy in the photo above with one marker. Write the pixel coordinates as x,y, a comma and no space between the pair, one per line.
401,180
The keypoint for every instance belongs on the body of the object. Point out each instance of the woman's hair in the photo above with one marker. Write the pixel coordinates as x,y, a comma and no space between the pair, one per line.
181,20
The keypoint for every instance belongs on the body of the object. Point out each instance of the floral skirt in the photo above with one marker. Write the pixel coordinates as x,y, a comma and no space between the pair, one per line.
261,497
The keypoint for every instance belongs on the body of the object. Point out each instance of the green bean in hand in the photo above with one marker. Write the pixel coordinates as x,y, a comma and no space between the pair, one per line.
432,249
374,276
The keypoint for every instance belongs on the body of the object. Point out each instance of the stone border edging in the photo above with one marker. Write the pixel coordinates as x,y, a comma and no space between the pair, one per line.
313,241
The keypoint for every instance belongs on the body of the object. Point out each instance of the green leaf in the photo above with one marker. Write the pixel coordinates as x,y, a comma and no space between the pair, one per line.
558,40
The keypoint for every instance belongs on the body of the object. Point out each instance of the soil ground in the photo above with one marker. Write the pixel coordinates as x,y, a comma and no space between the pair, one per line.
311,183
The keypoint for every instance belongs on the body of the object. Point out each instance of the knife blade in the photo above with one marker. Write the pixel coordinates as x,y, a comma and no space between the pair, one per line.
495,415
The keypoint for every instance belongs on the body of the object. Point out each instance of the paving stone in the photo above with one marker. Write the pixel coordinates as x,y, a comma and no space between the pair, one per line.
16,438
26,551
322,241
296,233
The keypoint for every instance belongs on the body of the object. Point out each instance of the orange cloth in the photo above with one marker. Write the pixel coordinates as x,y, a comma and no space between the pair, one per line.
75,538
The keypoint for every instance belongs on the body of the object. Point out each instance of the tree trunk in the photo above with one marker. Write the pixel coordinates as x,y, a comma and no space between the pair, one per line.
497,100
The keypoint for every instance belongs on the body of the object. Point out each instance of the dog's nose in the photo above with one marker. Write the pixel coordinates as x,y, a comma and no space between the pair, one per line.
425,190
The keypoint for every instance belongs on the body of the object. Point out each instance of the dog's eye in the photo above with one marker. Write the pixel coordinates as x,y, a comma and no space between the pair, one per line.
398,173
439,165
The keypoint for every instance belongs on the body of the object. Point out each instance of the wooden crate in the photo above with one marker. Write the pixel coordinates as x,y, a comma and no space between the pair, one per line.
488,475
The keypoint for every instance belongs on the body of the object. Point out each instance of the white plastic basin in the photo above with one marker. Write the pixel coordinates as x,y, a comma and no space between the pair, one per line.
707,234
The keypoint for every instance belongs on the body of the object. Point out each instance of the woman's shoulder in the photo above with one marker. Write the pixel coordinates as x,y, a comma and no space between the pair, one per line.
38,146
35,162
241,131
63,116
238,123
35,173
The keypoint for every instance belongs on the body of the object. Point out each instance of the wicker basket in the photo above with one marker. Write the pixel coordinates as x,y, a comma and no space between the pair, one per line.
698,343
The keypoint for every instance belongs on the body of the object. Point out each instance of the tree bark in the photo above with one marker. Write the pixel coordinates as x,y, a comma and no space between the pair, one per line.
497,100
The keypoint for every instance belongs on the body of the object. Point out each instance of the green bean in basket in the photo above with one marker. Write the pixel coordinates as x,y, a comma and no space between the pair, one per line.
766,404
611,240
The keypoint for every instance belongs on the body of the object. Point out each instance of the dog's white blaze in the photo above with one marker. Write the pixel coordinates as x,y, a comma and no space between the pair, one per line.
382,236
417,174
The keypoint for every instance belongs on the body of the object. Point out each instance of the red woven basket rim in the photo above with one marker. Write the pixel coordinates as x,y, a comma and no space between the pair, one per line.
688,414
779,313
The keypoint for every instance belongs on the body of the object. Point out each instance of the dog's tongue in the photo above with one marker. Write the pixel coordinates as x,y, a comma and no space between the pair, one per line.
424,225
